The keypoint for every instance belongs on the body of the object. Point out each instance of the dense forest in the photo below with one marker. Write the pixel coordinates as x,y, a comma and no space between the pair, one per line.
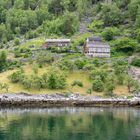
112,19
61,17
24,24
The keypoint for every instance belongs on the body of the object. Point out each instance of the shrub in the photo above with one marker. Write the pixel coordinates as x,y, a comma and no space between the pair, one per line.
109,85
31,34
16,41
99,73
125,44
136,62
43,58
55,79
3,61
111,14
88,67
77,83
98,85
37,82
17,76
96,25
89,91
27,82
4,86
109,33
80,63
65,64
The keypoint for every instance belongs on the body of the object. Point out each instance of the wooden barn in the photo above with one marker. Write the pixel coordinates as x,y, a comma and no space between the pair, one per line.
56,43
95,47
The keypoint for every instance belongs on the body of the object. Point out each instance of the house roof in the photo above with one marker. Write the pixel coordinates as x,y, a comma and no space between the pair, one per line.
96,42
58,40
95,38
101,45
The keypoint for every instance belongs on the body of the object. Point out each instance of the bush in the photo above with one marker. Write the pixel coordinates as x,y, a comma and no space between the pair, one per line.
17,76
109,33
4,86
3,61
27,82
77,83
79,63
65,64
44,57
70,24
96,25
54,79
109,85
136,62
89,91
98,85
31,34
99,73
16,41
111,14
125,44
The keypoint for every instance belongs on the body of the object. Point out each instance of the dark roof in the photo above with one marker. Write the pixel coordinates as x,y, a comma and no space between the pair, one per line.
99,45
95,38
94,42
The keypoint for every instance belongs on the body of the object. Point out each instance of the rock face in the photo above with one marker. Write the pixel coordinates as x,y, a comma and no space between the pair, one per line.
60,100
135,73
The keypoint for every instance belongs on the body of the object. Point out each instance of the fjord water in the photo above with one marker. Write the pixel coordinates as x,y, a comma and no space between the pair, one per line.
70,124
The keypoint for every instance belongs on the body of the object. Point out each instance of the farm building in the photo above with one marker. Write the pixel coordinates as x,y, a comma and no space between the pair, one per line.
56,43
95,47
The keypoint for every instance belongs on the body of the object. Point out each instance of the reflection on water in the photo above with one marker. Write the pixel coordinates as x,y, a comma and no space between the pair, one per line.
70,124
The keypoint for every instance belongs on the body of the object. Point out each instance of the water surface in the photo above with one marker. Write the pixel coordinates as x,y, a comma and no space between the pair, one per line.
70,124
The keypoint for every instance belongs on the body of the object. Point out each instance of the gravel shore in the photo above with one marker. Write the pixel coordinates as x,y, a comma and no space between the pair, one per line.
60,100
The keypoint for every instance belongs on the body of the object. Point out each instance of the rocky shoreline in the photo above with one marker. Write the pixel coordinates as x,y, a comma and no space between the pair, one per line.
61,100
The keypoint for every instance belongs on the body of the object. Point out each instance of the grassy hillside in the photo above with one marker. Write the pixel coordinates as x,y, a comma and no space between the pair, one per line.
76,75
25,24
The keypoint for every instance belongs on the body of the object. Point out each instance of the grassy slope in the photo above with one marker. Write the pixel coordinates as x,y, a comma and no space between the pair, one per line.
36,41
78,75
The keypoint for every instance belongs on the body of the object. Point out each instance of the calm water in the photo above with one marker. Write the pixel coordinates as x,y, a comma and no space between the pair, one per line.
70,124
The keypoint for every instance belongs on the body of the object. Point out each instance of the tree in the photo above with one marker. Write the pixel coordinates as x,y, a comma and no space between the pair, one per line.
133,8
109,33
102,73
55,79
70,24
98,85
3,60
2,15
80,63
111,14
19,4
109,85
96,26
132,84
42,15
125,44
56,7
138,18
120,70
2,32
